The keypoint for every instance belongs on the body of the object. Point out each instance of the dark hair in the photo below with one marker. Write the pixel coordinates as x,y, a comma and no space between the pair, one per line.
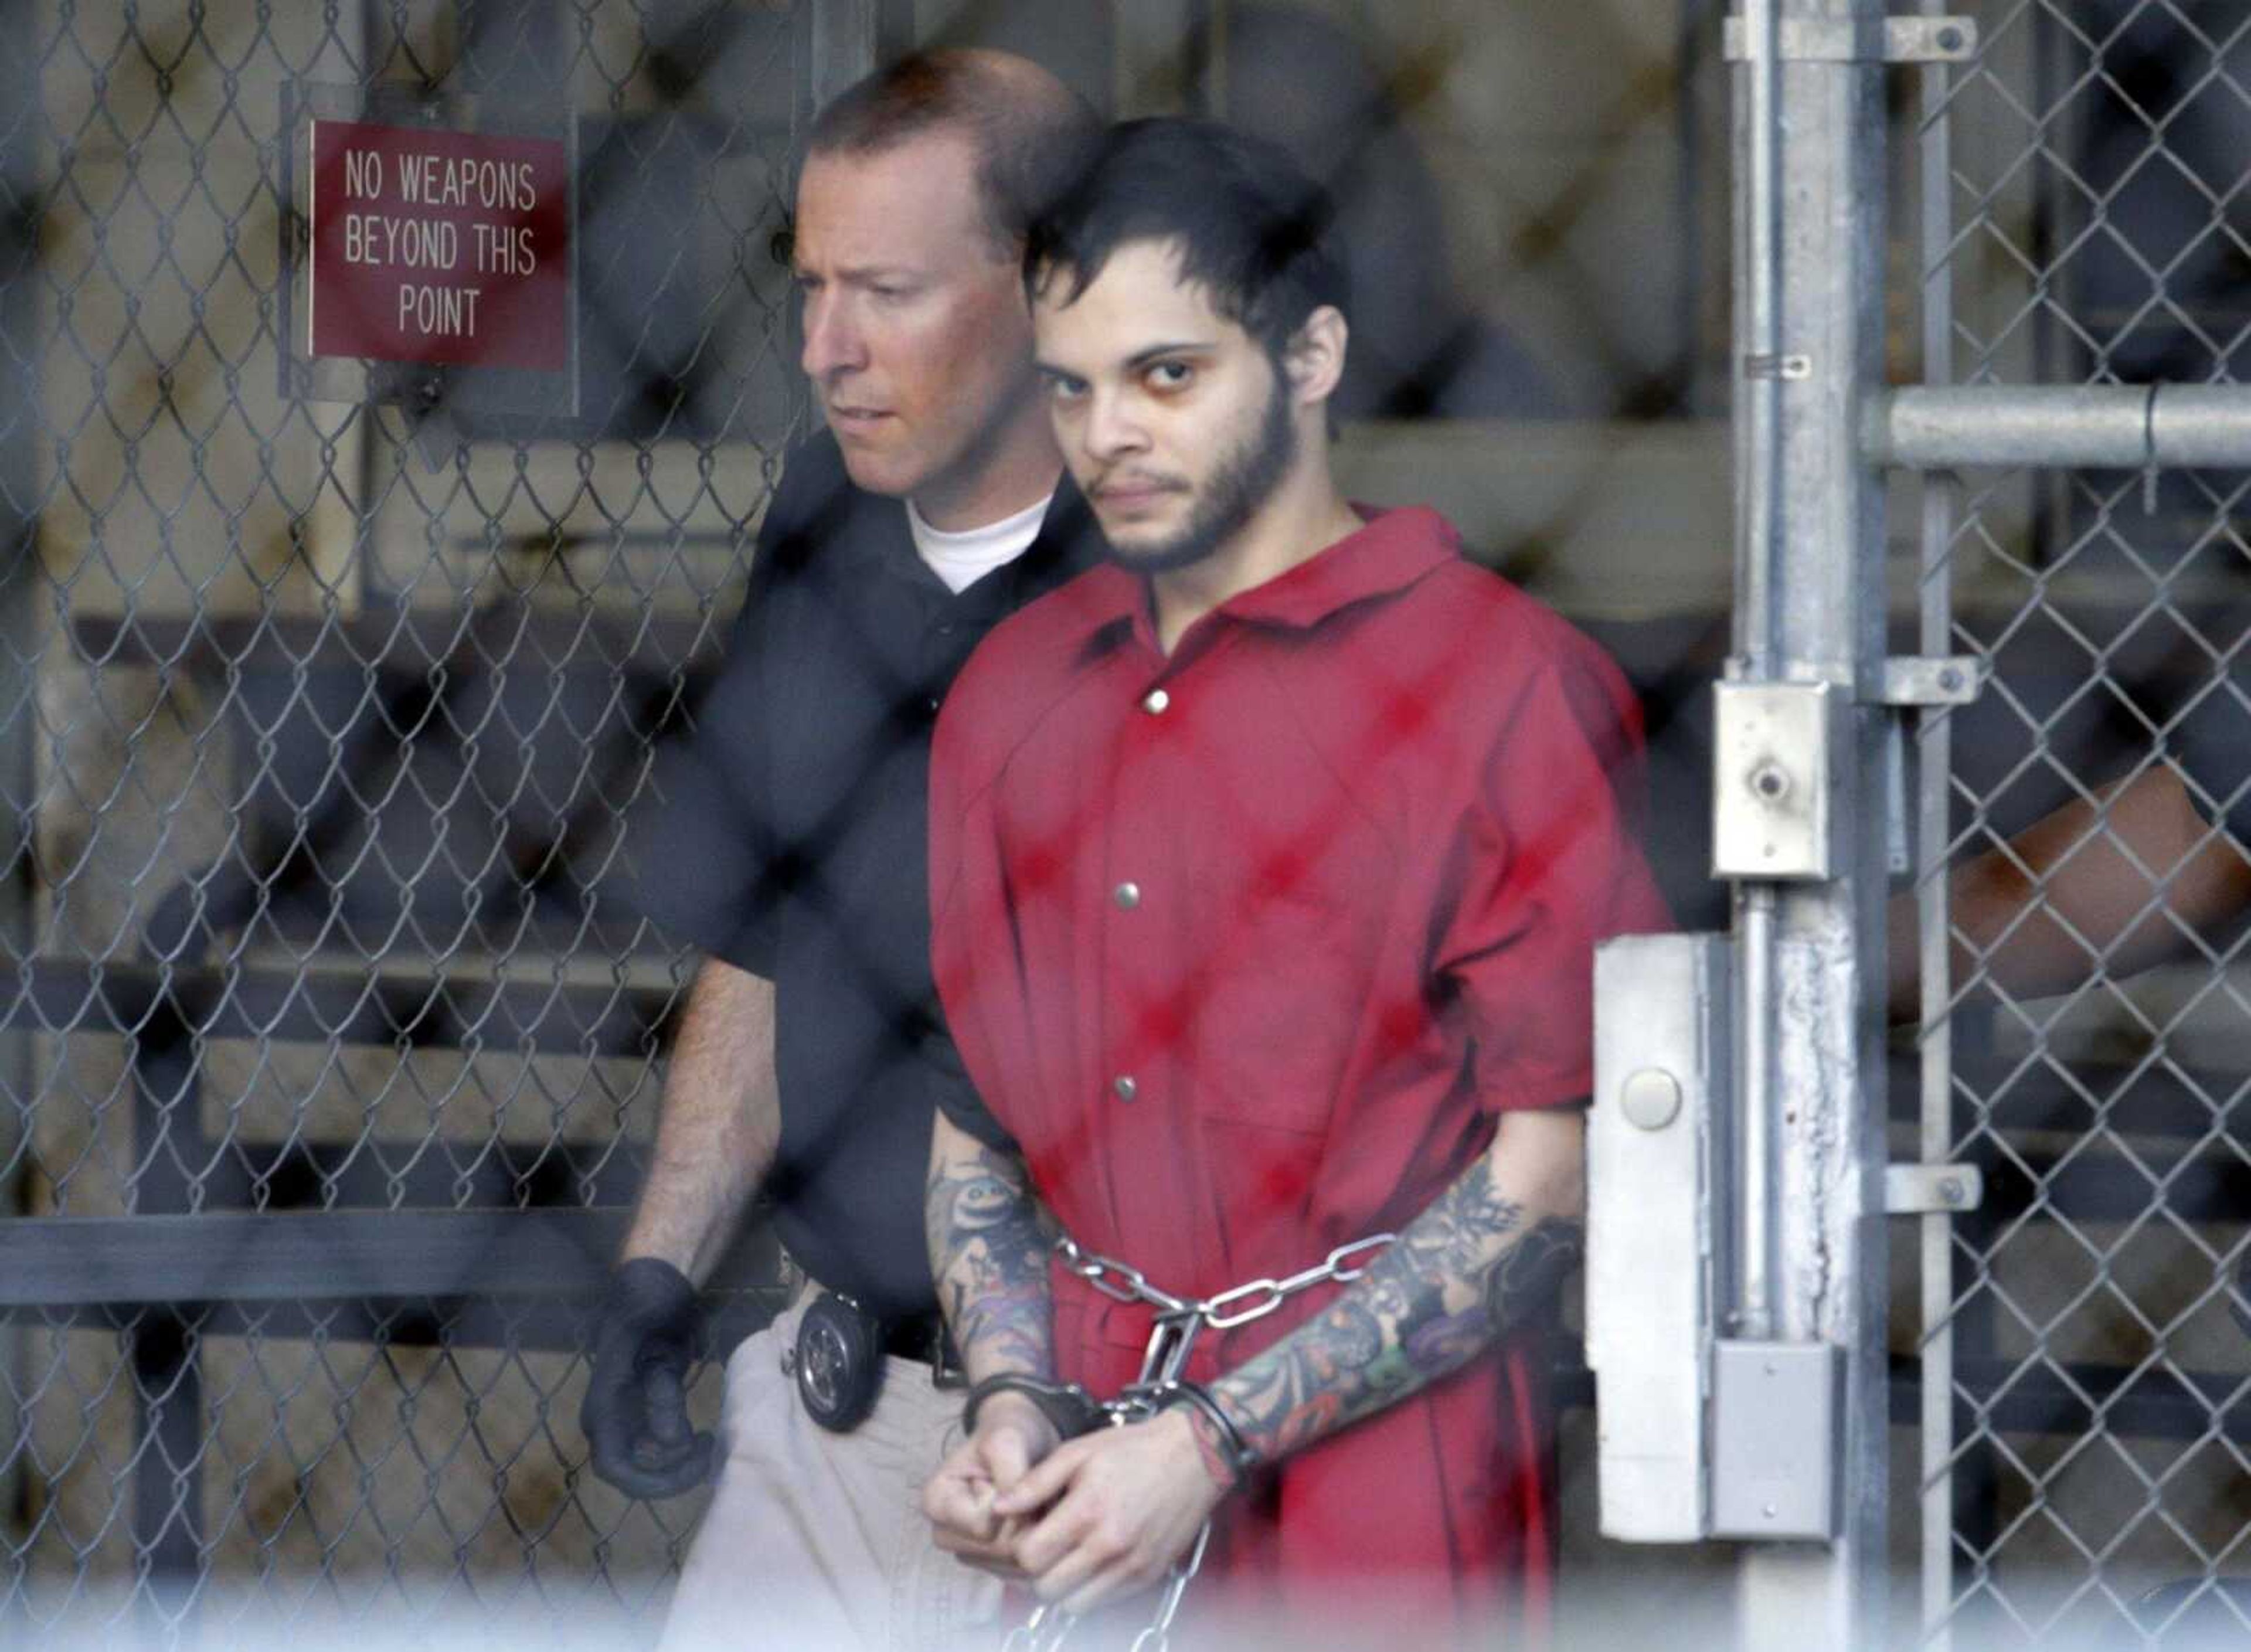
1031,132
1253,230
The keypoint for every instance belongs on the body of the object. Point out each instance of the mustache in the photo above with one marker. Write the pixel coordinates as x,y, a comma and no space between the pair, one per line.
1136,481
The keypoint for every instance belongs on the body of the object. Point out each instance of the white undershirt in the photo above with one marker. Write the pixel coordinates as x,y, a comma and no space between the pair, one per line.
963,559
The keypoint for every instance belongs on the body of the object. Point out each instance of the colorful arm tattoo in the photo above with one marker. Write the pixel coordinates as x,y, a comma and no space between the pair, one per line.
988,1251
1464,1272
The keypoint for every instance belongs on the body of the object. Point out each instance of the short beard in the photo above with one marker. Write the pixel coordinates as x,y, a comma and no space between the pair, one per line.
1239,489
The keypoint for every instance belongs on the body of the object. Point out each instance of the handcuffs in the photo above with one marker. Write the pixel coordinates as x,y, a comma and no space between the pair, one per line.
1160,1386
1074,1412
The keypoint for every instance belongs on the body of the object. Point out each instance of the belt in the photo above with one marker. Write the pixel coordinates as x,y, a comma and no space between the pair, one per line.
924,1339
921,1337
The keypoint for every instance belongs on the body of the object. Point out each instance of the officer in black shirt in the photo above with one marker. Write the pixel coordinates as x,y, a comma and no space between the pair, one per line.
788,843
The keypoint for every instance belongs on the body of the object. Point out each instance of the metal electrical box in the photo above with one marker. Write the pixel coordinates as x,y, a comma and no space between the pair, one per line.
1777,1409
1662,1041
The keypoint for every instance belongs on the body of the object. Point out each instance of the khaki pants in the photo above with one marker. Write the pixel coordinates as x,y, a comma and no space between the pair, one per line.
817,1541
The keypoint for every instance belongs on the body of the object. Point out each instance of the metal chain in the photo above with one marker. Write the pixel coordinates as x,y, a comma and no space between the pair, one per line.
1158,1636
1177,1321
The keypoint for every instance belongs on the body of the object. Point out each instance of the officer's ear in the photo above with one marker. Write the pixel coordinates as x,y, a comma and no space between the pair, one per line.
1314,359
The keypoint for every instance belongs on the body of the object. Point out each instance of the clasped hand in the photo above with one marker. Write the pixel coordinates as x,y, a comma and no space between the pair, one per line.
1079,1522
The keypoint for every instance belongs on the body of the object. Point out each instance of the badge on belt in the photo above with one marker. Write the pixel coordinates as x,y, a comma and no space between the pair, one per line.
840,1360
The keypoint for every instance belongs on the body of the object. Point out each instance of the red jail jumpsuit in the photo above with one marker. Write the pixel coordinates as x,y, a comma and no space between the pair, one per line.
1246,947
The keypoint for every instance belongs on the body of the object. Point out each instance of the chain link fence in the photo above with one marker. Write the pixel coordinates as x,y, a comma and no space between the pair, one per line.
2085,221
320,727
328,1061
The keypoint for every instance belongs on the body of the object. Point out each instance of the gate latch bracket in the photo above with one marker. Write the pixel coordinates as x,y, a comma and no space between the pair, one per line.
1932,1190
1862,40
1778,751
1950,679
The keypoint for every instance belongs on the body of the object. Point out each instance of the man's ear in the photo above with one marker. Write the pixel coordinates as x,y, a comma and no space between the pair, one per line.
1314,356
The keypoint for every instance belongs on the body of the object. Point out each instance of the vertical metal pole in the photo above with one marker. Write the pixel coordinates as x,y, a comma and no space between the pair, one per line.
837,42
2051,489
1934,832
157,1342
168,1386
1808,342
1757,486
1759,335
19,411
845,35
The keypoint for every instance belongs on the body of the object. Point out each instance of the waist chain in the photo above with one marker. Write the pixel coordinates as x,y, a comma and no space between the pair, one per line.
1179,1321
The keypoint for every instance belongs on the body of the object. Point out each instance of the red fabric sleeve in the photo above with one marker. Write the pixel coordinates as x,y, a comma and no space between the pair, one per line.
1545,864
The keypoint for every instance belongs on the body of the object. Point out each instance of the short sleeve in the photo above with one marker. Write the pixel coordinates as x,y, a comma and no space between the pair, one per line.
2210,742
964,1107
1546,862
700,839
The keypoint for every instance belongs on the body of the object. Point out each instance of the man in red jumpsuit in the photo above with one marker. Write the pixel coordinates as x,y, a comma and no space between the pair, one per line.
1268,864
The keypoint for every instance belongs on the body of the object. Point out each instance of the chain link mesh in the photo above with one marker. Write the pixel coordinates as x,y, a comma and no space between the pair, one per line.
339,1460
324,725
2095,231
328,730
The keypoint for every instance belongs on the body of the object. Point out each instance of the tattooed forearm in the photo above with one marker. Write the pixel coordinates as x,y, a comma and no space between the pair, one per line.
988,1252
1473,1266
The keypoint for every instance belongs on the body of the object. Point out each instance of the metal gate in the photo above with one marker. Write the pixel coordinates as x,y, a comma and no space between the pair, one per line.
2084,221
2052,637
327,1066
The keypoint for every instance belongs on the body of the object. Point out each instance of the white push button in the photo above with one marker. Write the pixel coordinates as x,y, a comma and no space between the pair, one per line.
1650,1099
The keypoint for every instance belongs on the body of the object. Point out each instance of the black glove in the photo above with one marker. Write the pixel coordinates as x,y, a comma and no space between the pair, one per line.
635,1413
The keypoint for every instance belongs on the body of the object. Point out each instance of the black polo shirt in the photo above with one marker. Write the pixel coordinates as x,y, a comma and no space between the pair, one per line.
786,833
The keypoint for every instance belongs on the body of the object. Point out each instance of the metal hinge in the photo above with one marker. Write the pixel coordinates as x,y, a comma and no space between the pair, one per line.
1949,679
1862,40
1932,1190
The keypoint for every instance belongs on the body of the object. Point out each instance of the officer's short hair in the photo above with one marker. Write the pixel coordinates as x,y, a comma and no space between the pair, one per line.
1031,132
1254,232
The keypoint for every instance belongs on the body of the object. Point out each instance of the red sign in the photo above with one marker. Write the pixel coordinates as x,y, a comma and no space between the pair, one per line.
440,246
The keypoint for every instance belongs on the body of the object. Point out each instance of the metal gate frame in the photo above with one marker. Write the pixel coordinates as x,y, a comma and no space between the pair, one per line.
1816,433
